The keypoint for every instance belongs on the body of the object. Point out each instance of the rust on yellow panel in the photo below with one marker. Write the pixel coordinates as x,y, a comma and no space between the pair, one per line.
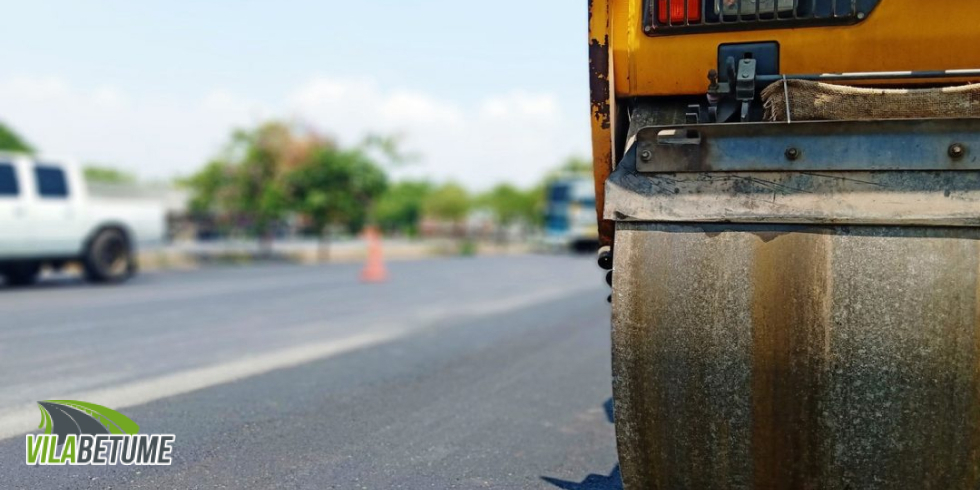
603,107
897,35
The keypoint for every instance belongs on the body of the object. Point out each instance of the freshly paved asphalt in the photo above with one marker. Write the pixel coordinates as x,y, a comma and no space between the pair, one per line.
462,373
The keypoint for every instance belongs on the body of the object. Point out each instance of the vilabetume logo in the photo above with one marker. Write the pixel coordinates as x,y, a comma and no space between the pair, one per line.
82,433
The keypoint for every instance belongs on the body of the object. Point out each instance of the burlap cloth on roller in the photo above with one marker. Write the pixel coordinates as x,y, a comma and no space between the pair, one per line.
813,101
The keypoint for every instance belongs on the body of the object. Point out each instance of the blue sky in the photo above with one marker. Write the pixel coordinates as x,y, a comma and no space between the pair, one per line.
485,91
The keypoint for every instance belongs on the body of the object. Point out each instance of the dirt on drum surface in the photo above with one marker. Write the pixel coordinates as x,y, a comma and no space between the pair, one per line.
838,357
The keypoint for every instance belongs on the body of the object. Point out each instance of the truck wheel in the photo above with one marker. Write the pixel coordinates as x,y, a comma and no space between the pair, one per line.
21,273
109,257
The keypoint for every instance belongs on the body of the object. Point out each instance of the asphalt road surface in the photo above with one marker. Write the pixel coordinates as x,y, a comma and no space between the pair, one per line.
456,373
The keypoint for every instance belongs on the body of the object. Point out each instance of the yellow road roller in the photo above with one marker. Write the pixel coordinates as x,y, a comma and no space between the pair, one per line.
788,195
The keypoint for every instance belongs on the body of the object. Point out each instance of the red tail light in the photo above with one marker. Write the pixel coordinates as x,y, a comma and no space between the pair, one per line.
672,11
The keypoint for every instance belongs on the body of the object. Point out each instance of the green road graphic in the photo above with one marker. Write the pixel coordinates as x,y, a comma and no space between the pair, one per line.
63,417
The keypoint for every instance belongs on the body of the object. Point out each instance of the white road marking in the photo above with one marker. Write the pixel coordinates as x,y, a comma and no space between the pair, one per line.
22,420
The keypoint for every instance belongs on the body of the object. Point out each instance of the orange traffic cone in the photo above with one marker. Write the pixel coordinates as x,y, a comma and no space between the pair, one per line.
374,269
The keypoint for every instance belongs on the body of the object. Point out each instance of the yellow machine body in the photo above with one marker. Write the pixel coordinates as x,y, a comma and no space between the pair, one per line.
627,62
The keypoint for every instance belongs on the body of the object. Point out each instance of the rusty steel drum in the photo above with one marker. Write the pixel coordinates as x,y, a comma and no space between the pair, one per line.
797,356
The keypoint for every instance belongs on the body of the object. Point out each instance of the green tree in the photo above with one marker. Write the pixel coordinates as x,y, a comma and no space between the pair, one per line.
245,184
258,158
509,204
275,170
389,150
577,165
539,203
572,166
107,175
400,207
335,188
11,141
450,202
210,187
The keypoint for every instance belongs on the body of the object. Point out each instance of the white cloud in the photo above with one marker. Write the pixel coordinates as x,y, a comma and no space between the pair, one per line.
358,106
35,89
409,108
514,135
108,97
522,105
152,136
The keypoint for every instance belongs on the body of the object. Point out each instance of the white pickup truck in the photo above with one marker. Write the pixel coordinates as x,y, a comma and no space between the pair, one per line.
47,217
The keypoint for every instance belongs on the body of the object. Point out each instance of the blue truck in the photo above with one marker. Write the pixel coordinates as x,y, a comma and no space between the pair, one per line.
570,218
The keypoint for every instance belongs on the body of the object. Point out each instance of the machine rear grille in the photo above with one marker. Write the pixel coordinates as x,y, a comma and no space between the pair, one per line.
684,16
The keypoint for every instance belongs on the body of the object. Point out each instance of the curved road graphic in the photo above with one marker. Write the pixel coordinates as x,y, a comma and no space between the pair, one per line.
67,420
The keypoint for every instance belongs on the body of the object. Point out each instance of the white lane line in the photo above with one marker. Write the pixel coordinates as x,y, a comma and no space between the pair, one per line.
15,422
21,420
